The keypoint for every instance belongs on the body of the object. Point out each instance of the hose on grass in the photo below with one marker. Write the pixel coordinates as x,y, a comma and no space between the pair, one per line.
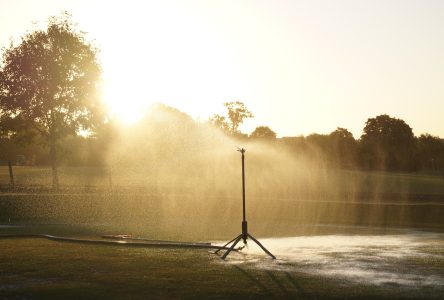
130,238
142,244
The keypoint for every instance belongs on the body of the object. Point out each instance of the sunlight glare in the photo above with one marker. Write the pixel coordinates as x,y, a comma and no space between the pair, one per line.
125,102
168,58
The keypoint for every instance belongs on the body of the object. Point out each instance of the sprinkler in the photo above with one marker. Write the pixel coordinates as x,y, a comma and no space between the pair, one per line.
244,235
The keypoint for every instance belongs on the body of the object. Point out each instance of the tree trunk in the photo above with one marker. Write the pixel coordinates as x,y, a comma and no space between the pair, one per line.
53,154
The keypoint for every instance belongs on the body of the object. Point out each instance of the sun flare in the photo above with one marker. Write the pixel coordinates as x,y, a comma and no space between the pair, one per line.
124,102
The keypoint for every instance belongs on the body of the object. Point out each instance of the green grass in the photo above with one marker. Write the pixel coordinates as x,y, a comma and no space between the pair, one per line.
45,269
41,269
285,183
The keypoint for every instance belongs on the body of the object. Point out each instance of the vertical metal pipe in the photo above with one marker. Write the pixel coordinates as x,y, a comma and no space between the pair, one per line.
243,184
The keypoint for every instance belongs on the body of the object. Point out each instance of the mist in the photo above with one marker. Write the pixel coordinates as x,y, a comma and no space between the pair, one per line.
169,175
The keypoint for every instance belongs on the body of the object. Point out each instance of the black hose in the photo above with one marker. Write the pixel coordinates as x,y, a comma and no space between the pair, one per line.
143,244
130,238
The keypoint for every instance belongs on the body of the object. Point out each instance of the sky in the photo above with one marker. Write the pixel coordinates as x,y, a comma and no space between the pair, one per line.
301,67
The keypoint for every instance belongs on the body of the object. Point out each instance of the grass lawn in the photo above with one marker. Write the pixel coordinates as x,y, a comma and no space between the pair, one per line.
34,268
42,269
281,182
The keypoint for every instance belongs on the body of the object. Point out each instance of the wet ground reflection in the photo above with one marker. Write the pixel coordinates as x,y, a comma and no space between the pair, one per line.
406,258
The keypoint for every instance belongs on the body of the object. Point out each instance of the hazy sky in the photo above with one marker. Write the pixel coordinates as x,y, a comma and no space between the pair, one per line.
300,66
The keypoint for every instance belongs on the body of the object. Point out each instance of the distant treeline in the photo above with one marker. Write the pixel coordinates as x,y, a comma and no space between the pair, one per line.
379,150
387,143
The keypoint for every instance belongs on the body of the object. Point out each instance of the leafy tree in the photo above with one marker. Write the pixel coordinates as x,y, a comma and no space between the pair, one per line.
220,122
263,132
49,84
237,112
431,152
318,147
343,145
388,144
342,134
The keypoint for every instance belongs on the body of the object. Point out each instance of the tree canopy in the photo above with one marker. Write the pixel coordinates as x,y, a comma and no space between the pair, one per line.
237,112
431,152
388,143
344,145
49,84
263,132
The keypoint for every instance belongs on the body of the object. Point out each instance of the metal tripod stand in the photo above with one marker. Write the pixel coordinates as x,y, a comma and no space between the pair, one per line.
244,235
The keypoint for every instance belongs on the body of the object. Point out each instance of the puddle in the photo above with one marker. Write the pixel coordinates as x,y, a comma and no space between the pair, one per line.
413,259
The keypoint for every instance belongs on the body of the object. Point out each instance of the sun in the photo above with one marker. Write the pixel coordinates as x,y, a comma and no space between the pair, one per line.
124,97
124,108
171,59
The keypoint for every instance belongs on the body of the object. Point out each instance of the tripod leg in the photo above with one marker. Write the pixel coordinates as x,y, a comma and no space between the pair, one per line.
260,245
225,245
232,246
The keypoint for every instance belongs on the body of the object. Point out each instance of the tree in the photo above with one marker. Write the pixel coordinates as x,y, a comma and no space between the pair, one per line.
388,143
431,152
343,146
263,132
318,147
49,84
237,113
220,122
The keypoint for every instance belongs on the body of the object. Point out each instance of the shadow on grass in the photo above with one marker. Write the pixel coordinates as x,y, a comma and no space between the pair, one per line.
287,285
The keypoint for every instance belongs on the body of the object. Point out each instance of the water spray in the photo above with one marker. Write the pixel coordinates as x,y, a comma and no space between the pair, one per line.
244,235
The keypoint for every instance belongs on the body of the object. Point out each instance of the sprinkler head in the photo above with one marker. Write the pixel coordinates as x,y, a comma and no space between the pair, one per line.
241,150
